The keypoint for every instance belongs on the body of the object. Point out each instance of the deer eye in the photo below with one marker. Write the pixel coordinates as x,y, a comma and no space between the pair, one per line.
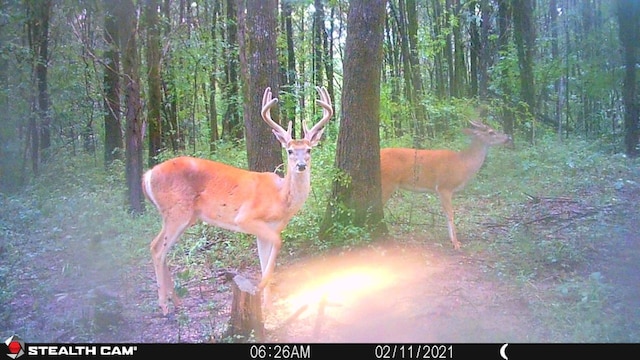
308,151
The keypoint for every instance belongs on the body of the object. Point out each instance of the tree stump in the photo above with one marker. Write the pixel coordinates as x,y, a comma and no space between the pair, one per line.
246,311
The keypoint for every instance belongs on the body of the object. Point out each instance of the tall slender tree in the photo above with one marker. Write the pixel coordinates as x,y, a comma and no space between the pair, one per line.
628,12
38,28
231,127
154,103
213,108
289,75
111,80
525,36
133,131
318,35
171,131
355,197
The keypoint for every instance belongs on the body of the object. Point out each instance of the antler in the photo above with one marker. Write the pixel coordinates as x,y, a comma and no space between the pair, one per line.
478,125
314,133
284,136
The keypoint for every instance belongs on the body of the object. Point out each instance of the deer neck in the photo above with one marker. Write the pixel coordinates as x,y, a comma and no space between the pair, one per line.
296,188
473,156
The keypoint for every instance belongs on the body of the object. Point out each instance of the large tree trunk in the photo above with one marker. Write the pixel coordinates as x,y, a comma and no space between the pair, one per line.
356,198
260,70
629,19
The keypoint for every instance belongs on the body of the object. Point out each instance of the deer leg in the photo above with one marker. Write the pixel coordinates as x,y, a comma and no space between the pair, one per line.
445,199
269,242
273,242
159,247
265,249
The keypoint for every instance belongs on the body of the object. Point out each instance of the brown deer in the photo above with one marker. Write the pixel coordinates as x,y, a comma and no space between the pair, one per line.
187,189
441,171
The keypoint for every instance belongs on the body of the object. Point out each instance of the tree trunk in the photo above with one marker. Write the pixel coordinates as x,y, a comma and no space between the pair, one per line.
260,70
474,57
112,124
39,11
356,198
171,131
459,64
484,56
628,12
420,113
231,127
318,34
504,23
154,104
213,108
440,79
133,131
327,43
524,35
393,76
288,107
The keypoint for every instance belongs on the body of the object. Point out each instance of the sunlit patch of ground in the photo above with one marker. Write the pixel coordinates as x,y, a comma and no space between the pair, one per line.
386,294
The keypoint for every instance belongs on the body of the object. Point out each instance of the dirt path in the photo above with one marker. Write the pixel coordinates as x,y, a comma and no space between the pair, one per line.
394,293
619,262
68,289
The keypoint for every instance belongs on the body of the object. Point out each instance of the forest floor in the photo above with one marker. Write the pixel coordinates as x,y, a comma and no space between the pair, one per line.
408,288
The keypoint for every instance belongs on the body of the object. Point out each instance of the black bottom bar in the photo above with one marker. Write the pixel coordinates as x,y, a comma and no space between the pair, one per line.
336,351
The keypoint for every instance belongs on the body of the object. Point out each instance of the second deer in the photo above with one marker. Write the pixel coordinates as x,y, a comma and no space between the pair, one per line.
441,171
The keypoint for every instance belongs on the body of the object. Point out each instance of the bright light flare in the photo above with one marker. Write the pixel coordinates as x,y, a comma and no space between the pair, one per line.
342,287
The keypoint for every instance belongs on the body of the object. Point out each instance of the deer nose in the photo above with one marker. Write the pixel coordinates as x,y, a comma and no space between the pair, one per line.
301,166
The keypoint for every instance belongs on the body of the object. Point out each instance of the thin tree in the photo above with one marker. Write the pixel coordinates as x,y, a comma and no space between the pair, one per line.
628,12
133,130
231,127
171,131
524,35
38,33
504,26
154,103
111,81
212,105
289,75
355,196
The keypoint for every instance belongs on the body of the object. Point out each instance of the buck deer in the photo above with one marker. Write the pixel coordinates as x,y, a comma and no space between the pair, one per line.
441,171
187,189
